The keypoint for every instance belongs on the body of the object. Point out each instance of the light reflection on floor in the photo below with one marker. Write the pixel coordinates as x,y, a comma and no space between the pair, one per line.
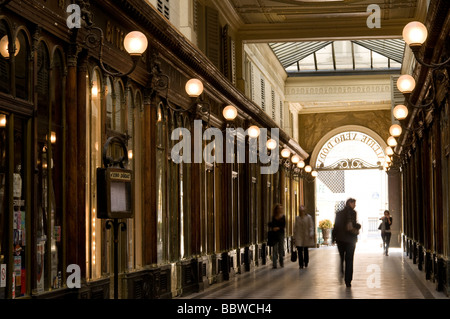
375,276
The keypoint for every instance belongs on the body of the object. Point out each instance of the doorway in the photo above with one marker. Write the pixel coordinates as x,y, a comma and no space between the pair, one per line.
350,163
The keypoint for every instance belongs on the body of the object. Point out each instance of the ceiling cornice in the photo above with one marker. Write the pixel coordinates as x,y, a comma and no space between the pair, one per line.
339,29
229,13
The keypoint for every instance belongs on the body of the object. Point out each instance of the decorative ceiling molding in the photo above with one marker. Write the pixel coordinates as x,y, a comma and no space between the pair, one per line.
337,90
295,20
345,107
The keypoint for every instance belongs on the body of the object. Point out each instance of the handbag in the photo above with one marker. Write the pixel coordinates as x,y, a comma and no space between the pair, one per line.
294,256
271,238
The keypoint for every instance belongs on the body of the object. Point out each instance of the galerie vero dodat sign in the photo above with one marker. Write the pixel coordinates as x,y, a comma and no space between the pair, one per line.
346,137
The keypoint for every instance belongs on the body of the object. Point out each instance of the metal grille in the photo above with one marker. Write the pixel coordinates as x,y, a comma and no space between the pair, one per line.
273,105
163,282
339,205
373,224
281,114
187,275
138,289
252,81
334,180
263,94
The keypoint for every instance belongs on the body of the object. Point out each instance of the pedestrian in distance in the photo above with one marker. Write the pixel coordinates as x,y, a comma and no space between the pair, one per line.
277,226
385,227
345,234
303,236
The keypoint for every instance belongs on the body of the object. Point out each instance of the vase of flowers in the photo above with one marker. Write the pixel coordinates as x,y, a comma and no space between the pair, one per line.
326,226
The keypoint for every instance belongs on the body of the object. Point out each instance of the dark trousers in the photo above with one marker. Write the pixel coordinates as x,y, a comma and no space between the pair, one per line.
347,252
386,236
303,256
278,252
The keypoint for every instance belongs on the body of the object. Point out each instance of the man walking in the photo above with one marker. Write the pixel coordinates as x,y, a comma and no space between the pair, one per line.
345,234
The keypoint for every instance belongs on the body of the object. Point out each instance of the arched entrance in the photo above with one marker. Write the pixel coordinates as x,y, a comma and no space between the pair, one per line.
349,161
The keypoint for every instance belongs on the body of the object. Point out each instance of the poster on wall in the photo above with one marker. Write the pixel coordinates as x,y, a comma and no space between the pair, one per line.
2,275
22,227
17,181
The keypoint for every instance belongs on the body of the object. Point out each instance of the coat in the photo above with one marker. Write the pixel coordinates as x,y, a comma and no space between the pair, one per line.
345,226
304,231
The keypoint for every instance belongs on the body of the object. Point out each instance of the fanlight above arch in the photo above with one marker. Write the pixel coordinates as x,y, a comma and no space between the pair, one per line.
350,150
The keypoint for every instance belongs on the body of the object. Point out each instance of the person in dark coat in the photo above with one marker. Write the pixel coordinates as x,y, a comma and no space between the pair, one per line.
278,224
386,231
345,234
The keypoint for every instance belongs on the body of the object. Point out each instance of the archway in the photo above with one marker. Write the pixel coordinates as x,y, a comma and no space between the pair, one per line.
349,161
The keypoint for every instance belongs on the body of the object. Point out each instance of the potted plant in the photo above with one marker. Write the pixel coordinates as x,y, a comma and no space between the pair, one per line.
325,225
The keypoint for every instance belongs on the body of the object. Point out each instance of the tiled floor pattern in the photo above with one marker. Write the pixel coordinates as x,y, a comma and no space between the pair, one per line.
375,276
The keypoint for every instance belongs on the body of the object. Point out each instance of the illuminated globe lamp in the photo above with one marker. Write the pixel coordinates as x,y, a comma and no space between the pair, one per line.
271,144
391,141
301,164
295,159
400,112
285,153
314,174
4,44
230,113
194,88
387,159
406,84
415,34
308,169
389,151
395,130
2,120
253,131
135,43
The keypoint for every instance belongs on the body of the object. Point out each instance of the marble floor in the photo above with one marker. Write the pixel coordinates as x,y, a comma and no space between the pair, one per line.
375,276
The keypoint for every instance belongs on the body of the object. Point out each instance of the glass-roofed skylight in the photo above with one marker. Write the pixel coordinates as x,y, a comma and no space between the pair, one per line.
335,56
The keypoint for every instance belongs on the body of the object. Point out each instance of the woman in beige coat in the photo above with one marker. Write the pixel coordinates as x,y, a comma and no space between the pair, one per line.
303,236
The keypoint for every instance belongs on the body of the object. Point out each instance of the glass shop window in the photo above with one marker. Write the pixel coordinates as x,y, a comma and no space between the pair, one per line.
185,204
50,145
22,66
161,163
3,198
94,160
55,136
173,198
20,247
115,106
136,161
44,207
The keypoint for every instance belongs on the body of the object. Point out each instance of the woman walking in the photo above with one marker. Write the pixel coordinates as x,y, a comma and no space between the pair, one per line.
303,236
277,225
386,222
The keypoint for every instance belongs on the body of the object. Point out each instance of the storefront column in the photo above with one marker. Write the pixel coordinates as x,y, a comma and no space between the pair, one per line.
81,159
395,201
73,249
149,254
